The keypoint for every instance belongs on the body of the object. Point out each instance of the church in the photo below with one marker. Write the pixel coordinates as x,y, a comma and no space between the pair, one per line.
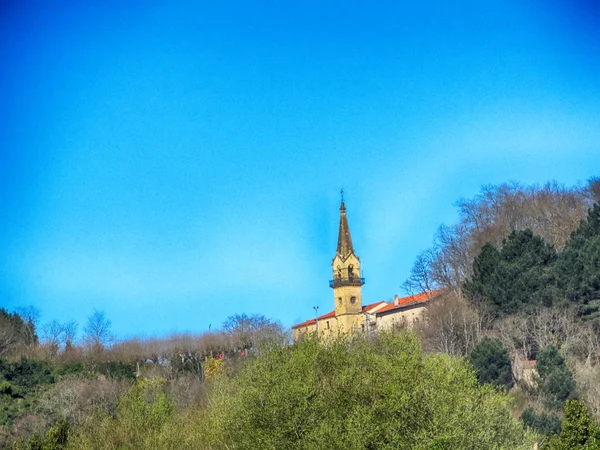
349,314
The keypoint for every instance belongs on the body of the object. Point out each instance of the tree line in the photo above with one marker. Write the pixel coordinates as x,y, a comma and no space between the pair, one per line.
57,379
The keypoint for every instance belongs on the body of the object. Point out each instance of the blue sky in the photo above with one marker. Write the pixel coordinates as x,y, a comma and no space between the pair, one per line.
174,163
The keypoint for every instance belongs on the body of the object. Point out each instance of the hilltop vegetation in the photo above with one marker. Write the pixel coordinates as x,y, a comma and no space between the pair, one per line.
520,276
519,280
382,392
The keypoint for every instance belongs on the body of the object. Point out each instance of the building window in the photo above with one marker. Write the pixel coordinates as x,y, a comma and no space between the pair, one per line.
340,301
350,272
328,324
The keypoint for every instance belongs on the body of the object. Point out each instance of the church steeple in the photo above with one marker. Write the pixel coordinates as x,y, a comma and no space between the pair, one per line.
347,277
344,246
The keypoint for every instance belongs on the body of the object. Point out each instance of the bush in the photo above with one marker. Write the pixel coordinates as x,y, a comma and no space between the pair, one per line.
137,424
542,423
358,394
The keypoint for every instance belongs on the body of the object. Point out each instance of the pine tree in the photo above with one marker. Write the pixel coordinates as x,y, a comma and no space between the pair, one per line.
492,364
579,430
517,276
578,267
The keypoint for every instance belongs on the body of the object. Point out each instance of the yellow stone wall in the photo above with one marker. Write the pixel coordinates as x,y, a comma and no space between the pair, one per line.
332,326
408,316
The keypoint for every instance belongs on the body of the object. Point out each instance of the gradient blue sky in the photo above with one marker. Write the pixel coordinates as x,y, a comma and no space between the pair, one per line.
175,163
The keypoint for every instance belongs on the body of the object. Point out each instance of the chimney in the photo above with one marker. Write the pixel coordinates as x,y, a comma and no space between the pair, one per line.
395,300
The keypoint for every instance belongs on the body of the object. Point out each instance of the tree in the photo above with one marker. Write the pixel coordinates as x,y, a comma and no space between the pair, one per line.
594,188
420,279
492,364
249,332
523,334
579,430
31,316
52,337
578,266
16,333
555,380
8,334
97,334
516,277
450,325
69,336
137,422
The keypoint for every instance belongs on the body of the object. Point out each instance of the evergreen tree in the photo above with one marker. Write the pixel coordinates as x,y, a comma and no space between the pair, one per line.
492,364
555,380
578,267
579,430
517,276
15,333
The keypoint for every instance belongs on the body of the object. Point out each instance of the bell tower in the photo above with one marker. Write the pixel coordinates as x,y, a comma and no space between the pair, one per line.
347,278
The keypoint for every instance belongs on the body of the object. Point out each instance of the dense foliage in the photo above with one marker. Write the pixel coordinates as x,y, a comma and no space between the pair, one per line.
551,211
555,380
526,272
517,276
578,268
492,363
347,394
580,431
543,423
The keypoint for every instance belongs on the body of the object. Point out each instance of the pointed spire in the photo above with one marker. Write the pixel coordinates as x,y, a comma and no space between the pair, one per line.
344,246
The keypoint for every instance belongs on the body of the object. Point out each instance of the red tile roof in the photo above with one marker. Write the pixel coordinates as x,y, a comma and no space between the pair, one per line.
312,321
371,306
411,300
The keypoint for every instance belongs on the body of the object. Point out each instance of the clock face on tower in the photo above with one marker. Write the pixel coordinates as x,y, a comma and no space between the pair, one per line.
353,300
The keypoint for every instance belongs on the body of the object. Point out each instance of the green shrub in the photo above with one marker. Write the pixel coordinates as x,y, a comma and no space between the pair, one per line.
542,423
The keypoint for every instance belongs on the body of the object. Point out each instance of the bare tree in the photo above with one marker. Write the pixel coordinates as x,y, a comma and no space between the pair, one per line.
420,279
450,325
97,333
557,327
587,380
8,335
594,189
250,332
524,334
52,337
69,334
515,334
75,399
